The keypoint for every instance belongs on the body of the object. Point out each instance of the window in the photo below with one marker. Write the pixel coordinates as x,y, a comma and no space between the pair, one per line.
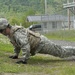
54,24
45,24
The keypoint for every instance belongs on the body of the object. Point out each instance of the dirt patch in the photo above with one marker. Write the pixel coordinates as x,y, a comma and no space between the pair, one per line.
24,74
14,74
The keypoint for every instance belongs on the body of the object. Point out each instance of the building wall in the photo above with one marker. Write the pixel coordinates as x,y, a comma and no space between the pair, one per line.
51,26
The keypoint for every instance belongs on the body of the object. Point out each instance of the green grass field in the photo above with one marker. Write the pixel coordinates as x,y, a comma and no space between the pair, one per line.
62,35
39,64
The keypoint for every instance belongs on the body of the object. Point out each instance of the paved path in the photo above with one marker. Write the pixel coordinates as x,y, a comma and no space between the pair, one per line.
64,43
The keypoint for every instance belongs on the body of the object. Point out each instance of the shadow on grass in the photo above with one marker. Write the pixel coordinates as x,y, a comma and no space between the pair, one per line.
42,59
38,60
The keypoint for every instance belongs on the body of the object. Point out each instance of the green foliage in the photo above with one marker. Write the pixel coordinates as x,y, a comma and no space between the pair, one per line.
14,21
26,5
17,10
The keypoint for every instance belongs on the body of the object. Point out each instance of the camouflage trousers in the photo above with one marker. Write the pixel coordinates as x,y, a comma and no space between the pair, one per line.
48,47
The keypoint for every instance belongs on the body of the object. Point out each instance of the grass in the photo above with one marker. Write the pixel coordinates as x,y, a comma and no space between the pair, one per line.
39,64
62,35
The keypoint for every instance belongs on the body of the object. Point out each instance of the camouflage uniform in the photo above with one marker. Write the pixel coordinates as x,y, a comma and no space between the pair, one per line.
48,47
32,43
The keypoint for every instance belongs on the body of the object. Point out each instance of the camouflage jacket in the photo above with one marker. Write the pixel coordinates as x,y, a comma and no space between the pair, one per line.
24,39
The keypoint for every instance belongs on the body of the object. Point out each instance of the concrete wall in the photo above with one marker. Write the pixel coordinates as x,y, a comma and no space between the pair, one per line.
51,26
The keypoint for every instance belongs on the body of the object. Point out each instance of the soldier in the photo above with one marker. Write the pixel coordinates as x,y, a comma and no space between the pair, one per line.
31,43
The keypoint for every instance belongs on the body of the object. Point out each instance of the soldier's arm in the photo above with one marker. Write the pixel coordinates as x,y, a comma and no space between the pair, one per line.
16,49
22,41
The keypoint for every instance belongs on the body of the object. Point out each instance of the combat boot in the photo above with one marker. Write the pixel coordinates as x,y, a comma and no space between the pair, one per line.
13,57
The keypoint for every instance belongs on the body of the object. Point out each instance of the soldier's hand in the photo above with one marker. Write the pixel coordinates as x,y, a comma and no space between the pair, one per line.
21,62
13,57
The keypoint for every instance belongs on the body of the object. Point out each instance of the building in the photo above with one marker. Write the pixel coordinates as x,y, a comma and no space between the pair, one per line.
51,22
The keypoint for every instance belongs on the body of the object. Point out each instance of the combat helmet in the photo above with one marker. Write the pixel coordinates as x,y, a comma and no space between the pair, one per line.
3,23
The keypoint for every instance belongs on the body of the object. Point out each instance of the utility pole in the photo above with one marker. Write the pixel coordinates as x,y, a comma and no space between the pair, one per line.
68,12
74,16
69,5
74,7
45,7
